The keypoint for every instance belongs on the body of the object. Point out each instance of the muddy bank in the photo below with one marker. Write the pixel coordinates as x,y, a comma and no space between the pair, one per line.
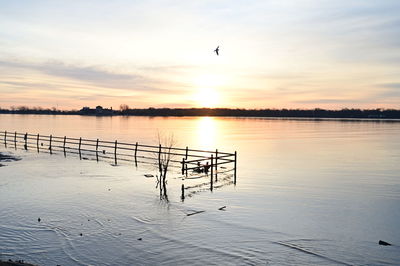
7,158
14,263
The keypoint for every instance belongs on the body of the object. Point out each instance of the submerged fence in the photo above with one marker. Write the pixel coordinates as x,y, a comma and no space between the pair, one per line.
188,160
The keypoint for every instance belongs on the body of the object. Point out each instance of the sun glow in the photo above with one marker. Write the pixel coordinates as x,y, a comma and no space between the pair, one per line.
207,94
206,97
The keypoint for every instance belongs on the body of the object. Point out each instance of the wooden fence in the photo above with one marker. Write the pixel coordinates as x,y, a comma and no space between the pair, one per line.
192,160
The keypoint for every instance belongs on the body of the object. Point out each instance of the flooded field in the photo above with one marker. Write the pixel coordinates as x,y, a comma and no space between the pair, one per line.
307,192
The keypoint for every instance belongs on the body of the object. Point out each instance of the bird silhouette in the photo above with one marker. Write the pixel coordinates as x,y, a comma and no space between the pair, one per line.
217,50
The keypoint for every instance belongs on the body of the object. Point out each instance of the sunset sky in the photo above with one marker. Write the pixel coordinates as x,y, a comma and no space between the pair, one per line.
159,53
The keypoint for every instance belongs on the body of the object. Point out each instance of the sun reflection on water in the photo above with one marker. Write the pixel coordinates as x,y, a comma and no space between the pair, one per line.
206,132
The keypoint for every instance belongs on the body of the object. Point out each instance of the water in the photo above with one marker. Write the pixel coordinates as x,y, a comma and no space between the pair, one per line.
308,192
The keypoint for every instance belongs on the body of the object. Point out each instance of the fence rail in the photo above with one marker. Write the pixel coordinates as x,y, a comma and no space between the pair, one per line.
192,159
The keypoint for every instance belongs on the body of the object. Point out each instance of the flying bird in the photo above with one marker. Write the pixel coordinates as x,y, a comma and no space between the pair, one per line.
217,50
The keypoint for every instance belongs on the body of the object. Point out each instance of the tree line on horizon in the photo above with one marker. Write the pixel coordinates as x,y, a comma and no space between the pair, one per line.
238,112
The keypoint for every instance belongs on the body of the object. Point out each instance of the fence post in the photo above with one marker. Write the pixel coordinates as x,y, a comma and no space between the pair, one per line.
187,153
212,166
15,139
79,148
37,142
216,165
183,166
5,138
234,173
115,152
97,150
65,139
136,145
159,158
26,141
183,192
51,136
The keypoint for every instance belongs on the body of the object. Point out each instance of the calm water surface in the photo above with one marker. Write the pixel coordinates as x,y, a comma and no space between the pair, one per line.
308,192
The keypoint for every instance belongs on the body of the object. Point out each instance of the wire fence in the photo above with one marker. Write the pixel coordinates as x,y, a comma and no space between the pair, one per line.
188,160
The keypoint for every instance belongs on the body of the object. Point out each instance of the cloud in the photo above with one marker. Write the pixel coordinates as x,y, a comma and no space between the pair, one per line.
390,91
391,85
83,73
91,74
53,81
329,101
98,77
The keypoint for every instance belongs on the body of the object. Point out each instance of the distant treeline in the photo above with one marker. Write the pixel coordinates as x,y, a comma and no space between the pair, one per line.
298,113
36,110
312,113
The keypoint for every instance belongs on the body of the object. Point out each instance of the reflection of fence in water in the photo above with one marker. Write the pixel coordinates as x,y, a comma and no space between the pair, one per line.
218,162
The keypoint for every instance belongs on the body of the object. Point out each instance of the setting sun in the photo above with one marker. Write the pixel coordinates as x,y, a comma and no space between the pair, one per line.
207,94
206,97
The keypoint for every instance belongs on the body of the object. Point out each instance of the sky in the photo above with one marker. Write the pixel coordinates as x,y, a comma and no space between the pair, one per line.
159,53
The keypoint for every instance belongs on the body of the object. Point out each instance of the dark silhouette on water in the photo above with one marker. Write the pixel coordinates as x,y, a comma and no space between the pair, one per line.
206,168
217,50
198,169
384,243
11,262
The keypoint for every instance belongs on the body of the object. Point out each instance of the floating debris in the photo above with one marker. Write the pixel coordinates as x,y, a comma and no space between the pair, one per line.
140,239
193,213
38,219
81,234
222,208
148,175
384,243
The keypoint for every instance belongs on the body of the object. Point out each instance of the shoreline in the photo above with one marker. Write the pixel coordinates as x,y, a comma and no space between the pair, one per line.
305,118
317,113
15,263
